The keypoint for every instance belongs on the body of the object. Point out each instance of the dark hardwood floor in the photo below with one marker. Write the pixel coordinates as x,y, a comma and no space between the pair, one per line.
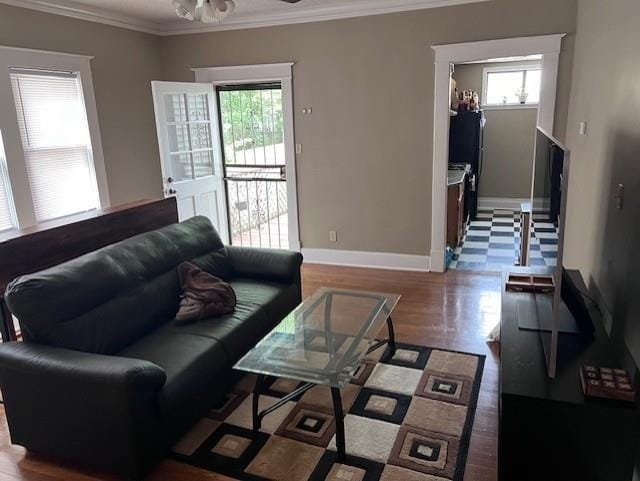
452,311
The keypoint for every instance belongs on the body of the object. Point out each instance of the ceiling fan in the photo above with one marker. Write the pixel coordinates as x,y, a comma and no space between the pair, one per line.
207,11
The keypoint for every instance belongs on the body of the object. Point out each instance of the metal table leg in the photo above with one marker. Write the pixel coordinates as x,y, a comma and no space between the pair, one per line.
259,389
392,336
339,417
257,419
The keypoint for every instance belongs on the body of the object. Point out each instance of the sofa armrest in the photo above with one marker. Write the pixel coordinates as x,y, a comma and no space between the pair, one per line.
270,264
82,407
96,370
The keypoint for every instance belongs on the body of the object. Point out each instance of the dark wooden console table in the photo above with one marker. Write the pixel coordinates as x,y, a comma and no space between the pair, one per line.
45,245
548,429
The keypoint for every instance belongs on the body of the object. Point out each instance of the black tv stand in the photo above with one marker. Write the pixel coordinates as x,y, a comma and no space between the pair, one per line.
537,315
548,429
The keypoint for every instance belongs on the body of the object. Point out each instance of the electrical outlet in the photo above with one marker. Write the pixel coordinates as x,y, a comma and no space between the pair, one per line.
333,236
298,149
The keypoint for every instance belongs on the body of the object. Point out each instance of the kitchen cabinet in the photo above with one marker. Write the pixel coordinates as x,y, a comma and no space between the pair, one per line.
455,213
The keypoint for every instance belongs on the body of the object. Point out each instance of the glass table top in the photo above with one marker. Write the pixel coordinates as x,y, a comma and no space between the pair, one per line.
325,339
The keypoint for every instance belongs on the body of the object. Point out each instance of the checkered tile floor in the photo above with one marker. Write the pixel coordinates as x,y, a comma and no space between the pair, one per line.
493,240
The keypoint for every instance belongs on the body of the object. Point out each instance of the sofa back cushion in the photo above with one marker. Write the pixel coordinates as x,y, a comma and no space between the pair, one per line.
103,301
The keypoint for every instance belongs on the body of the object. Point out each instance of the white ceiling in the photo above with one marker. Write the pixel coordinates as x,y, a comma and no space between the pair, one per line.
158,16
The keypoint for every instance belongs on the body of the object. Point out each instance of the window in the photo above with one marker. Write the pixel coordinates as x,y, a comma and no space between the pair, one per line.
56,143
189,136
52,165
511,86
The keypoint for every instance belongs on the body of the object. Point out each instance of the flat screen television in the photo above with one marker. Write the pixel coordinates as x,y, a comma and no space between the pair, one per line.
561,313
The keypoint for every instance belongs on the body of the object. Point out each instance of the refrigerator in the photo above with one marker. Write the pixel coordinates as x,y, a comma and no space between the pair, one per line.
466,143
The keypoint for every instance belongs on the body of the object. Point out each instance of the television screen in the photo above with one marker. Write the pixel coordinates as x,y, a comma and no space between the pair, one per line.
549,163
549,189
561,318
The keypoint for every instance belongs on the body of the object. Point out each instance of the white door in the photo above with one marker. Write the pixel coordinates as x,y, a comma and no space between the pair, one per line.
188,133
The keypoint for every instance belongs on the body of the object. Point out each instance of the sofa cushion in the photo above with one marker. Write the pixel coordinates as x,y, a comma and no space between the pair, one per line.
192,363
237,332
260,307
276,299
105,300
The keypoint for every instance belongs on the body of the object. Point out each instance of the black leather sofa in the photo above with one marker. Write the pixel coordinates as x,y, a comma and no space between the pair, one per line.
105,377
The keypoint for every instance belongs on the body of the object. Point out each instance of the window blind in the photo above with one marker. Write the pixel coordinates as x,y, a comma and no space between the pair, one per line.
6,219
55,137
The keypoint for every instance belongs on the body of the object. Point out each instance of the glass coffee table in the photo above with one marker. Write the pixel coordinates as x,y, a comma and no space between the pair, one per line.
322,342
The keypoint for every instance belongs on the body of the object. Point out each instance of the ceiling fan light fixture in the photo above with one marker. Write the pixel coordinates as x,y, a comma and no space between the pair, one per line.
221,5
231,6
185,9
210,12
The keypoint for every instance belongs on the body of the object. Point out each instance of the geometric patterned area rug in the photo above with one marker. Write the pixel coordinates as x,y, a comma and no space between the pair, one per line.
409,418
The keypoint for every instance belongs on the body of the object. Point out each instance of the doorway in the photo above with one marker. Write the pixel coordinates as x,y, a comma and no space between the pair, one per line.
227,151
258,152
445,56
253,152
493,121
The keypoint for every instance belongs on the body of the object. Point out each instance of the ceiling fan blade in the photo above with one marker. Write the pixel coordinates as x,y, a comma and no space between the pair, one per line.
290,1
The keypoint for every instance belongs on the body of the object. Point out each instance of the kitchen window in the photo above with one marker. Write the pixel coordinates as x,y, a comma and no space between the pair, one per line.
51,166
511,86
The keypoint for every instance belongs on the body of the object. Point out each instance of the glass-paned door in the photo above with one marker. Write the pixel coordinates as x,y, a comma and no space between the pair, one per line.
187,136
252,136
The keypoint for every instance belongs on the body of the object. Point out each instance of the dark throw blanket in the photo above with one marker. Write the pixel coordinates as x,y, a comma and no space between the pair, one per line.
203,295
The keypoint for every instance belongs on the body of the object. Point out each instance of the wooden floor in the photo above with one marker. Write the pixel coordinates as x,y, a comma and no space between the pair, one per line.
453,311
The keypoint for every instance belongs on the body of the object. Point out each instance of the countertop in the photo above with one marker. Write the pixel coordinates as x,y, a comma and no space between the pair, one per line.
455,176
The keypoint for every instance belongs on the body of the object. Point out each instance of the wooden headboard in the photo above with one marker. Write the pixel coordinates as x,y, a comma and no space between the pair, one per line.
45,245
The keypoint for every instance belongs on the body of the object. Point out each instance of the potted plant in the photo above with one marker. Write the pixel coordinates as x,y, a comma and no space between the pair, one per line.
522,95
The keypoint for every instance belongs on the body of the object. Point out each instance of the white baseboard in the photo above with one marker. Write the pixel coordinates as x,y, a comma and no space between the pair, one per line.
378,260
512,203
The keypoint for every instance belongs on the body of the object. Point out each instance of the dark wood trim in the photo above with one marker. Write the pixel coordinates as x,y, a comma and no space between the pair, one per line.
45,245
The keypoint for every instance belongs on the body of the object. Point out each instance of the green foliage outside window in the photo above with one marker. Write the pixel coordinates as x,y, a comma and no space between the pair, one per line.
251,119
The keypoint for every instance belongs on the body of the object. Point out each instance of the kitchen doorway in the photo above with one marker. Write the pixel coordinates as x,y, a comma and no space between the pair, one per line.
547,46
493,120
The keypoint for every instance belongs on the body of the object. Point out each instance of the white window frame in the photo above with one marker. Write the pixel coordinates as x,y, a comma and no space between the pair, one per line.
274,72
507,68
4,178
11,57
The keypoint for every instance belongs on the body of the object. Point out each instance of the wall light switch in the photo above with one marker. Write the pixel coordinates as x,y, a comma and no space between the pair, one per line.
333,236
583,127
298,149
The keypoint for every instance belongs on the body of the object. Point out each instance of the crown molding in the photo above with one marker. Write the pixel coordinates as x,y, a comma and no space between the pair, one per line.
349,9
89,14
